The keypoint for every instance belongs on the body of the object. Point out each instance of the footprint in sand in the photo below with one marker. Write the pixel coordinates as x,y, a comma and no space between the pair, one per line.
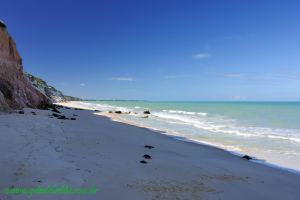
20,171
58,149
146,156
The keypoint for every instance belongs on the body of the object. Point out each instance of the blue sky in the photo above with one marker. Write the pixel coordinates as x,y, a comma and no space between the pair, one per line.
161,50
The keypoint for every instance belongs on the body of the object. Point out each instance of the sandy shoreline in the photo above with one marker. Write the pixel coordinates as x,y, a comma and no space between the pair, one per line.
271,161
95,151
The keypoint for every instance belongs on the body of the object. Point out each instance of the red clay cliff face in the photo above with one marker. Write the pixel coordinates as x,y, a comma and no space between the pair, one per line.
15,91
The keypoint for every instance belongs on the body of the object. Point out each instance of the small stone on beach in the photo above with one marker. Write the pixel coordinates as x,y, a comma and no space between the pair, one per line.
147,112
149,146
21,112
247,157
146,156
143,162
55,110
62,117
73,118
55,115
118,112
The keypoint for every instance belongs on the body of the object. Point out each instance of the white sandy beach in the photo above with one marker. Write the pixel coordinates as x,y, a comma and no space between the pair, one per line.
95,151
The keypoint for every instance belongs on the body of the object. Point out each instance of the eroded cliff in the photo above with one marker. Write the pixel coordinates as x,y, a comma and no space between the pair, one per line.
15,91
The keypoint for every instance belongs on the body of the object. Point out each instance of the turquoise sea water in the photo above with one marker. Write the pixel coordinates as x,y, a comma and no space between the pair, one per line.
266,130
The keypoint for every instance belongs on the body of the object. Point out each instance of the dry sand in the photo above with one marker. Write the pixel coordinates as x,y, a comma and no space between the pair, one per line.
39,151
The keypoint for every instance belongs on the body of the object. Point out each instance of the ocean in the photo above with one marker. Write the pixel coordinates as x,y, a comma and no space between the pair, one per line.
268,131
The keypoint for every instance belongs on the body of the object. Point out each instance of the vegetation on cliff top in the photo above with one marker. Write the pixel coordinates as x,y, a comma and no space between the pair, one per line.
51,92
2,24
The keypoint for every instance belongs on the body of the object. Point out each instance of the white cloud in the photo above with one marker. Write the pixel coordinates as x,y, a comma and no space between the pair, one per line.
122,79
82,84
233,75
287,76
201,56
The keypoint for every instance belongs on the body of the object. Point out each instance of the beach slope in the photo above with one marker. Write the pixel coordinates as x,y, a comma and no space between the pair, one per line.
40,150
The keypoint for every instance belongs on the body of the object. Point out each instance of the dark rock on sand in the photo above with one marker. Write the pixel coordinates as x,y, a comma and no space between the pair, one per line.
147,112
97,110
45,106
247,157
73,118
62,117
55,115
55,110
146,156
78,109
145,117
21,112
110,111
143,162
33,113
149,146
59,106
118,112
